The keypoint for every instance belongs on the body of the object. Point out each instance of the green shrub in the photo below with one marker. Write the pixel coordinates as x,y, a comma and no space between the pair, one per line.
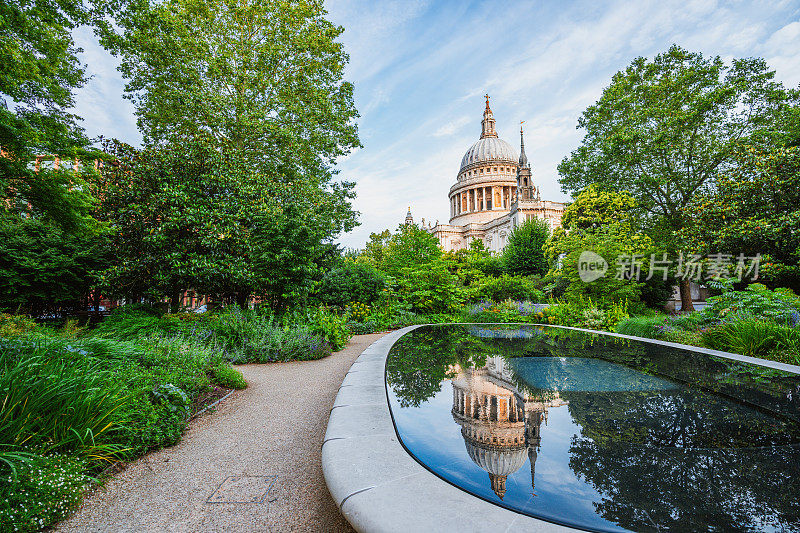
238,335
46,490
57,399
358,311
651,327
151,362
524,252
681,336
132,322
332,327
582,312
272,343
688,321
753,337
431,288
227,376
594,318
95,399
353,282
150,368
780,305
363,328
505,287
13,325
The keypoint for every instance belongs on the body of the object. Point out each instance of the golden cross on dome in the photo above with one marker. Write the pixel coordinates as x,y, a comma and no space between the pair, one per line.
487,99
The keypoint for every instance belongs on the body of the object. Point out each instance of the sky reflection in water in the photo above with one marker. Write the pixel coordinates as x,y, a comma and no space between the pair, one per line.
565,427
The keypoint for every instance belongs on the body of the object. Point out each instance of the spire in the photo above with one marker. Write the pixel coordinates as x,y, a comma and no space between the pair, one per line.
498,485
409,218
487,124
523,159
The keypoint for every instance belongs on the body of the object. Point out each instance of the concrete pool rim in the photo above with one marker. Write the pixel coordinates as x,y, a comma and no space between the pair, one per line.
379,486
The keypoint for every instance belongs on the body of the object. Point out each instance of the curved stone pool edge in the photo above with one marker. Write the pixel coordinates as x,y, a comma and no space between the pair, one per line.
776,365
376,483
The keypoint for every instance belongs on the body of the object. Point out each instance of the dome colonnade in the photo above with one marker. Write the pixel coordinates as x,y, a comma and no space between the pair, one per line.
493,194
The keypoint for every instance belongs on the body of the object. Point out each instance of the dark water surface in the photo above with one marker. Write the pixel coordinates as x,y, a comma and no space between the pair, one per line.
600,433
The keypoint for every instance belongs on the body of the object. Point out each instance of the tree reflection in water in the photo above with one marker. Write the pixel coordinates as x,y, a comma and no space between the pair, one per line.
654,442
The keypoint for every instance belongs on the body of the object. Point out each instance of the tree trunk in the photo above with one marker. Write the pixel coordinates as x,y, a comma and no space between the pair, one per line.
241,299
684,284
96,295
175,302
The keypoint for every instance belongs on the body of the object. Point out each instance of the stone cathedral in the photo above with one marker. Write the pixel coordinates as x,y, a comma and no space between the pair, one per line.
493,194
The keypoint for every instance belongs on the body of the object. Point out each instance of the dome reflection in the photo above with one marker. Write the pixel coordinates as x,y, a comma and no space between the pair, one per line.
499,423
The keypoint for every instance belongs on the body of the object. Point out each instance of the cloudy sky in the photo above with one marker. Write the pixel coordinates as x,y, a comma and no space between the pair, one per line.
421,67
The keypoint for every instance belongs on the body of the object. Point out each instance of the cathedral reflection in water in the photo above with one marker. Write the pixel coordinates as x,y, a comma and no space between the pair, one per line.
499,423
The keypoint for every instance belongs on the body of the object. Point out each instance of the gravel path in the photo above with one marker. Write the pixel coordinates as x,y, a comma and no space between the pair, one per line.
274,427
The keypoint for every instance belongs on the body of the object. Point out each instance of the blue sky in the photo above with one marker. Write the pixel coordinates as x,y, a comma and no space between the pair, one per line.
421,67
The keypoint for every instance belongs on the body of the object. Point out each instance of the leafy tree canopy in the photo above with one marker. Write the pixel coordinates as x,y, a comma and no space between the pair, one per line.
39,72
187,217
754,208
44,269
262,79
664,129
410,246
594,207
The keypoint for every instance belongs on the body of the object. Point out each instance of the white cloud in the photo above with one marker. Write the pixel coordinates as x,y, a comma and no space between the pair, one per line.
448,129
100,102
420,69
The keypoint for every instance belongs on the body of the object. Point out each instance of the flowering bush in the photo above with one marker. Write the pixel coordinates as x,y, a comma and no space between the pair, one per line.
358,311
11,325
505,311
582,313
45,490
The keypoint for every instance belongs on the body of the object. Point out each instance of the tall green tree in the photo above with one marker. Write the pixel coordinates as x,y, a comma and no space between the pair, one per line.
595,207
291,250
663,129
262,85
174,227
604,222
39,73
263,79
45,269
524,253
375,247
409,246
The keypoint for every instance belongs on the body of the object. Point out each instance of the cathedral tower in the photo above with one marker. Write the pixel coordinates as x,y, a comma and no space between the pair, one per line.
525,188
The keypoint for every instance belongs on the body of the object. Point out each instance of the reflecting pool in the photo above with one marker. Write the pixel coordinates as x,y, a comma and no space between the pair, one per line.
598,432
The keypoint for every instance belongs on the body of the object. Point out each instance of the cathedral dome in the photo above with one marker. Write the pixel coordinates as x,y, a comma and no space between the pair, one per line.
489,149
495,460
